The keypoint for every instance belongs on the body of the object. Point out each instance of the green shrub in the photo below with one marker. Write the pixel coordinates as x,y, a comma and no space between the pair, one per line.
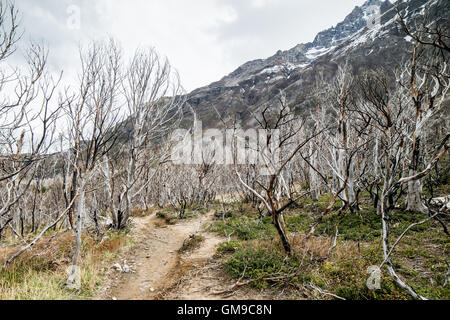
366,226
244,228
300,222
252,263
229,247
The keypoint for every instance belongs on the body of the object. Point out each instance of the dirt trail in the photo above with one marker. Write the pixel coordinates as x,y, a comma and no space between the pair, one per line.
155,259
159,271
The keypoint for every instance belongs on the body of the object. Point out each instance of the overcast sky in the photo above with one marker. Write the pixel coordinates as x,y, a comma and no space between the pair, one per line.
204,39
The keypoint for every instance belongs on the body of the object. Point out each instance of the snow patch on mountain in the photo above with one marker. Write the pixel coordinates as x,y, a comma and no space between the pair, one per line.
315,52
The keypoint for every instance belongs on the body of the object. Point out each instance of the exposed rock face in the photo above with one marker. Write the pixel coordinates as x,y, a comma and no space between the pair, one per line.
259,82
354,22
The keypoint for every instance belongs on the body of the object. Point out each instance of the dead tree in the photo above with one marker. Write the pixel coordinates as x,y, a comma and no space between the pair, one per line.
154,101
426,78
342,144
392,112
27,114
283,135
93,116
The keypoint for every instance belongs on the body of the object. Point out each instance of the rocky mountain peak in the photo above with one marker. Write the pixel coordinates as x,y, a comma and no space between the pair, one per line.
259,82
354,22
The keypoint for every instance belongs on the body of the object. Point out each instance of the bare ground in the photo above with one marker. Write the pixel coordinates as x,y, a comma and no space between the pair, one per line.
160,271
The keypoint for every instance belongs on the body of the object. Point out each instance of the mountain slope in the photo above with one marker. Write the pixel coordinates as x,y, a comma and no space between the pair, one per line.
294,71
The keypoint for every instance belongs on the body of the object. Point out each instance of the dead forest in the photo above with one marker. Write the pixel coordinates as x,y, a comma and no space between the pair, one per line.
371,150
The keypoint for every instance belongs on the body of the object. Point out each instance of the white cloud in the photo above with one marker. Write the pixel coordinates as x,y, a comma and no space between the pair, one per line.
204,39
261,3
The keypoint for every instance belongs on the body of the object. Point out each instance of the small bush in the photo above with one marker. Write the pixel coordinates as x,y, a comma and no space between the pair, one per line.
229,247
259,263
363,227
138,212
167,216
245,228
191,243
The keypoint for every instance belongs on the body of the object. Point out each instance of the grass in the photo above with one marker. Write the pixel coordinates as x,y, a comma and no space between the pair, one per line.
191,244
40,274
140,213
255,253
229,247
244,228
167,216
344,273
170,216
243,225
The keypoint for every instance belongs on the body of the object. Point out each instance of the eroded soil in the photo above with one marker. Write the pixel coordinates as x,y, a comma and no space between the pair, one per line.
160,271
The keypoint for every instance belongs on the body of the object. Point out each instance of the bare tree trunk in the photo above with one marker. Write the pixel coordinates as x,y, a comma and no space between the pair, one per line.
74,277
351,196
72,194
314,179
386,251
413,197
278,221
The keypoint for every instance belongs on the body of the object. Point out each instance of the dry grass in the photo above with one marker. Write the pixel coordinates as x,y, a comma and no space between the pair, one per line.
40,273
344,273
191,244
141,213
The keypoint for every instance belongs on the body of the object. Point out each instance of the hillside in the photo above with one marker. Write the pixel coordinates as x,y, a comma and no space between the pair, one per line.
258,82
